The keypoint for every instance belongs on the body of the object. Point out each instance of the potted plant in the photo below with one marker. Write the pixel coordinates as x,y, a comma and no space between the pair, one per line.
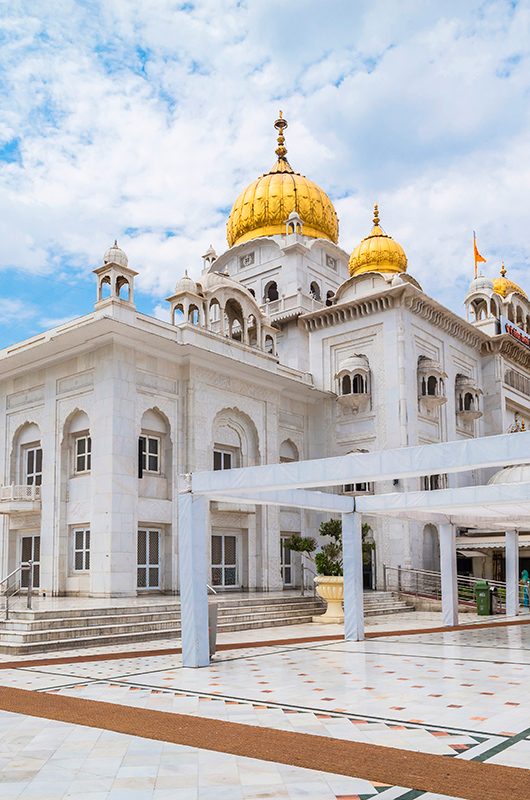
329,580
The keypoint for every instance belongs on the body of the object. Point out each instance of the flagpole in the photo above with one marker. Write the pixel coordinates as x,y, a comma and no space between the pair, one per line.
475,254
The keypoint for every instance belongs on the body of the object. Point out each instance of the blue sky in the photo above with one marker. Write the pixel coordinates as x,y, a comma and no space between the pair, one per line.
143,121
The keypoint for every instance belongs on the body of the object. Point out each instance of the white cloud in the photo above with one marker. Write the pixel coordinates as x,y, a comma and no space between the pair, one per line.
137,116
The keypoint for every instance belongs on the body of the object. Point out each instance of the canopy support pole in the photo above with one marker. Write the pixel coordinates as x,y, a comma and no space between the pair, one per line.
512,573
193,572
449,574
352,554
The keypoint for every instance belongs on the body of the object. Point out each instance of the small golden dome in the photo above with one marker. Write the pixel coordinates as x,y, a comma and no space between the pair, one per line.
378,252
504,286
263,207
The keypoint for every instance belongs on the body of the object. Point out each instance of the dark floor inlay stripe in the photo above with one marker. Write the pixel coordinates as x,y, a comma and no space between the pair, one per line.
470,780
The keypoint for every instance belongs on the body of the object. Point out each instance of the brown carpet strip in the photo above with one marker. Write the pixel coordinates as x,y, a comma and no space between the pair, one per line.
168,651
470,780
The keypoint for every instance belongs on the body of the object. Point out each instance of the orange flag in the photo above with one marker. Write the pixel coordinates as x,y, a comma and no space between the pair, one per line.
476,253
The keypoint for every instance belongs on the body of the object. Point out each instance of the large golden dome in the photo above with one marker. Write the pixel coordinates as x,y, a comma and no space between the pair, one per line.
378,252
263,207
504,286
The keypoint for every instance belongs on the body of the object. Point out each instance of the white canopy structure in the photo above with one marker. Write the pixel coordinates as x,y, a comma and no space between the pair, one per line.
499,506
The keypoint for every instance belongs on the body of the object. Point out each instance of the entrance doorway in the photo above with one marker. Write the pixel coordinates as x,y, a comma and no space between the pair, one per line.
30,551
225,561
148,559
286,563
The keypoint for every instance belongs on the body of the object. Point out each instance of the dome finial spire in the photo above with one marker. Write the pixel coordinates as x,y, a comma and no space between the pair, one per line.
376,214
281,125
503,270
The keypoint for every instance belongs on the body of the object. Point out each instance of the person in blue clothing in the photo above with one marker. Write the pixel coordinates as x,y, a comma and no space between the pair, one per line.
525,581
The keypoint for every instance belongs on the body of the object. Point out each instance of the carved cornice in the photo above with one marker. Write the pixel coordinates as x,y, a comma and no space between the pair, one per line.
509,348
405,296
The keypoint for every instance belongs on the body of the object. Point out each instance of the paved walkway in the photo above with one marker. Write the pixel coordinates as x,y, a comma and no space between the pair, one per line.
449,697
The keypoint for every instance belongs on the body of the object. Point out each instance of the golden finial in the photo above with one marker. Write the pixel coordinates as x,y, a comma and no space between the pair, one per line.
281,125
523,426
376,214
503,270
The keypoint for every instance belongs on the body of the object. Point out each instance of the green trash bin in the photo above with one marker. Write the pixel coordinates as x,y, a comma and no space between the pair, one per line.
483,598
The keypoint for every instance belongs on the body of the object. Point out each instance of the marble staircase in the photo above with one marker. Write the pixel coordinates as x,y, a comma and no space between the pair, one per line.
47,630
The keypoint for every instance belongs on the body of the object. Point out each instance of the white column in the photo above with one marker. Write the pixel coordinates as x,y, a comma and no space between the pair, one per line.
448,570
352,554
512,573
193,573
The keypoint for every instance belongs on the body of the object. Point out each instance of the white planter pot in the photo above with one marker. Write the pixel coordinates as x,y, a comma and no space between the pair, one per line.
331,589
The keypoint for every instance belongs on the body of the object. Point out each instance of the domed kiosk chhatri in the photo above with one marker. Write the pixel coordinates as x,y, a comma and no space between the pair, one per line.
280,348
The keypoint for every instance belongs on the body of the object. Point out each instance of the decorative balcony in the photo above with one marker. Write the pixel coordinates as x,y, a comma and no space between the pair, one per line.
467,399
19,499
431,384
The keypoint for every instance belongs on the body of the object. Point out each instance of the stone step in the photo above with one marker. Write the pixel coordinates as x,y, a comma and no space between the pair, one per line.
29,631
225,601
154,616
30,634
22,648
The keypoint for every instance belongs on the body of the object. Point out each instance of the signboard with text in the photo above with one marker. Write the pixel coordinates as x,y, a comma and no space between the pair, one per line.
515,331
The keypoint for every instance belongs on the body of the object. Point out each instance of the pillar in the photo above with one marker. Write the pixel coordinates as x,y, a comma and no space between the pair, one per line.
448,572
193,573
512,573
352,555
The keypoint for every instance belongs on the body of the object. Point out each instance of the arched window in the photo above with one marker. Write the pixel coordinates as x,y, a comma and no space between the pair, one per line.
269,345
154,445
123,288
358,384
27,456
271,291
329,297
105,289
234,314
314,290
214,311
178,314
345,384
431,549
468,401
432,385
193,315
288,452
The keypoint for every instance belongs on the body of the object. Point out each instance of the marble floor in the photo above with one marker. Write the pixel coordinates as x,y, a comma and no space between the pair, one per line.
458,695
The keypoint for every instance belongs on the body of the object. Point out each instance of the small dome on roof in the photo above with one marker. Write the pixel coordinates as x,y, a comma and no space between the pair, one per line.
480,284
115,255
378,252
517,473
185,284
503,286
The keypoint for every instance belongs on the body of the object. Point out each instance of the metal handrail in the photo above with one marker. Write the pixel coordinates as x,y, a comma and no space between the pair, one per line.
304,567
427,583
210,588
21,567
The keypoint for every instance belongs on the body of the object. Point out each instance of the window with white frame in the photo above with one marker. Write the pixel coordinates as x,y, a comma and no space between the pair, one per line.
149,454
82,454
223,459
32,465
81,542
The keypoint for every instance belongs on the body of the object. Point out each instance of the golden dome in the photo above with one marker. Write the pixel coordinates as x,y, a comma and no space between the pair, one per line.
378,252
263,207
503,286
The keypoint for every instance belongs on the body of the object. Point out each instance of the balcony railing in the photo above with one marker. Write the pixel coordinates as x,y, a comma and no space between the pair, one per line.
27,493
